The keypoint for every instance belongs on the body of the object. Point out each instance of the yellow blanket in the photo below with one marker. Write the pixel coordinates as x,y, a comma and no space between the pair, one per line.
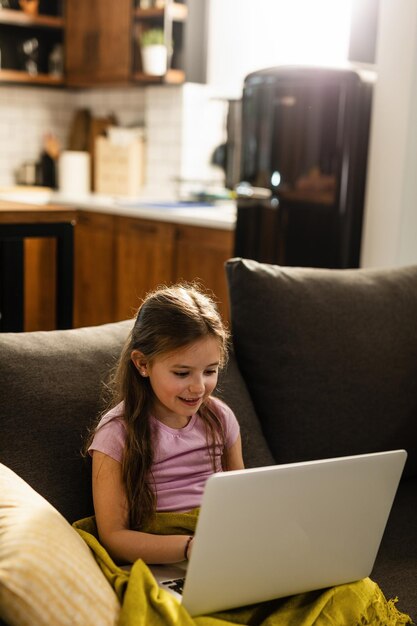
145,604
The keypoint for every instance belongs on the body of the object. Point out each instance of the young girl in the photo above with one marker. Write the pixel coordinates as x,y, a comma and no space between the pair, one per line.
165,435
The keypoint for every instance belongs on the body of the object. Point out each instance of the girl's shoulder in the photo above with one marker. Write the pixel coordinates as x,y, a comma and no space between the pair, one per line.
227,418
114,417
110,434
222,410
112,422
218,405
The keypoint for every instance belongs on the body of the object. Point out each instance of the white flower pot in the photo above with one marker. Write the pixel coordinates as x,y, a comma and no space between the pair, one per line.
154,59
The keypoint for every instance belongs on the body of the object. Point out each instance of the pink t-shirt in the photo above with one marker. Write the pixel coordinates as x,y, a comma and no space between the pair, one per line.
182,462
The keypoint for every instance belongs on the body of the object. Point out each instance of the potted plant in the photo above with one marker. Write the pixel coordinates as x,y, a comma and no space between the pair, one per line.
154,52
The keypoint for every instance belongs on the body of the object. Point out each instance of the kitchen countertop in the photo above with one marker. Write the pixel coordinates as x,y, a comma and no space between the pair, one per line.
220,215
34,213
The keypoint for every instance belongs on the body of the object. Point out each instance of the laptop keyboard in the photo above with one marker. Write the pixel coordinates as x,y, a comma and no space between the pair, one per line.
176,584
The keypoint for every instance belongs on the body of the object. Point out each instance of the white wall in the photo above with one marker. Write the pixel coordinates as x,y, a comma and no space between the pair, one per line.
390,229
247,35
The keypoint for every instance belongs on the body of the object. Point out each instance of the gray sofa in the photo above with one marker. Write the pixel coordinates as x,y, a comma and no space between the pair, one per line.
324,364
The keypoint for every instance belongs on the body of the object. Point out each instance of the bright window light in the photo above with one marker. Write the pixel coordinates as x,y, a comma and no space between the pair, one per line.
246,36
302,31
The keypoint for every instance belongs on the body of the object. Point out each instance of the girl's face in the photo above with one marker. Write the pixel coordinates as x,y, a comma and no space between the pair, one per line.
182,380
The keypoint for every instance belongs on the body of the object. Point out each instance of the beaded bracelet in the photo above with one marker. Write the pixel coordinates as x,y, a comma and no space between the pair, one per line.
187,545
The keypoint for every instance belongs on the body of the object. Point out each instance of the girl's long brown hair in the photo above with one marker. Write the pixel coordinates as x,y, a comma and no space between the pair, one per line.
169,318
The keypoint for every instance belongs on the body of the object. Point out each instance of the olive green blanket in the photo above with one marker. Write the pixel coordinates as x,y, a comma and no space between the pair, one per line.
143,603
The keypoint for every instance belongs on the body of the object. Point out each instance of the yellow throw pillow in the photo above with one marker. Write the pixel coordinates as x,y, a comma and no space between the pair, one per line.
47,573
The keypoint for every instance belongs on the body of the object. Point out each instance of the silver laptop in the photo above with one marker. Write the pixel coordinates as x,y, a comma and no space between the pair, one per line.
275,531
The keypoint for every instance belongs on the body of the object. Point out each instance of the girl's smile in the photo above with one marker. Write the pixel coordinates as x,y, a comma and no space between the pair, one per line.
182,380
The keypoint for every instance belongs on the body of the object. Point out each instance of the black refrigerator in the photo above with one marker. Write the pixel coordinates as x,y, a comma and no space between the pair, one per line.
304,147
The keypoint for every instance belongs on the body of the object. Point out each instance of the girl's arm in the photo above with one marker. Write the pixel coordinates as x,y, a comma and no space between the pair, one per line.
232,460
110,506
232,457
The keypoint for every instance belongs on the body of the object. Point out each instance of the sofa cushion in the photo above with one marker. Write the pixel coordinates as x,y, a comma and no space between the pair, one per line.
47,573
51,385
329,357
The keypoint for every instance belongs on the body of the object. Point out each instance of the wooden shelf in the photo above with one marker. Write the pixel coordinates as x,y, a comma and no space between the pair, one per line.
178,12
19,18
16,76
117,60
172,77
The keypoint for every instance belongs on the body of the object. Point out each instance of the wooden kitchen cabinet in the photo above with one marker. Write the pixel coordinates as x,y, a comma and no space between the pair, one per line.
119,259
116,261
36,271
98,41
102,41
44,30
200,254
94,269
39,284
143,259
150,253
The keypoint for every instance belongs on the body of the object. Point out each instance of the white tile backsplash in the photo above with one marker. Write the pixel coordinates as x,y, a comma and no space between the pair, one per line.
183,125
26,115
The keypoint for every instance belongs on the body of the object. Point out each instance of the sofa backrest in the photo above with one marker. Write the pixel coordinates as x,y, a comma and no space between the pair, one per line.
329,357
50,390
50,394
